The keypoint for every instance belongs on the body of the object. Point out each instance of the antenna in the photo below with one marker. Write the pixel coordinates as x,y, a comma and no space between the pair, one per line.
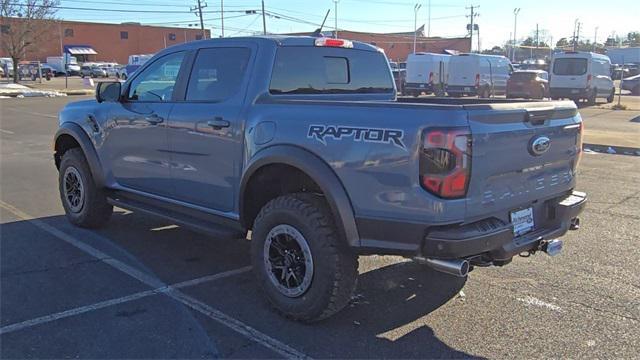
318,32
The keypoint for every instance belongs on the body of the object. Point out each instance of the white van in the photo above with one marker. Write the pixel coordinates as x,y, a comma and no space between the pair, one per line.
426,72
581,75
476,74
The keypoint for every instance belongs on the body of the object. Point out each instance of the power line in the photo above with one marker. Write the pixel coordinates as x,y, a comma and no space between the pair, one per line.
122,10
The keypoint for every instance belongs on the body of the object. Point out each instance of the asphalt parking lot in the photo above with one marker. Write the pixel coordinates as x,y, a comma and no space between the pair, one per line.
144,288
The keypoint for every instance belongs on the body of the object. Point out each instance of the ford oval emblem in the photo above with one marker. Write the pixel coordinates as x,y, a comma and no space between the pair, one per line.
539,145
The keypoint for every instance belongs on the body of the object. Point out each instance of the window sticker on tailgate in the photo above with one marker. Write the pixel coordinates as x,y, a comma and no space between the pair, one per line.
373,135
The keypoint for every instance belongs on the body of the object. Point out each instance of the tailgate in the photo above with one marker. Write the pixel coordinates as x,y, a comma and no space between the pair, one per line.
512,166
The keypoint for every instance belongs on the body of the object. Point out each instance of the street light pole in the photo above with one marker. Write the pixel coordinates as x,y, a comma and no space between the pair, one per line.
595,40
415,25
429,22
335,32
516,11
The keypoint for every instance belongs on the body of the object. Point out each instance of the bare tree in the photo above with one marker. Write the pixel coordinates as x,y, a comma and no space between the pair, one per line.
24,24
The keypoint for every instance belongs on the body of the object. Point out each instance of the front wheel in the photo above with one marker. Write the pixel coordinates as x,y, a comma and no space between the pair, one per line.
303,265
84,203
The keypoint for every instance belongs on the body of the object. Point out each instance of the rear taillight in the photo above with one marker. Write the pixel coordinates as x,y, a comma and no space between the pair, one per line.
431,77
589,80
477,80
445,162
579,145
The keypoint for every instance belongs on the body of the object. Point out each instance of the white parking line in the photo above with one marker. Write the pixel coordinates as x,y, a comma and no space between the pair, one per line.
32,113
120,300
226,320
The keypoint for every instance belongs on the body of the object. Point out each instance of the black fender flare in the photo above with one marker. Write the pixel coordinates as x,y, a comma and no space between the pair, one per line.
319,171
75,131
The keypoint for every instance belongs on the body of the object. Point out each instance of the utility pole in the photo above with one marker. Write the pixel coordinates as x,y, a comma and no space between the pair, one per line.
198,10
222,17
470,26
537,36
577,36
429,18
264,21
516,11
575,41
416,7
335,32
595,39
473,14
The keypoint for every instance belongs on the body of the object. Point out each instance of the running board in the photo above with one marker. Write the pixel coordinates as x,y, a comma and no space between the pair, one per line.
198,221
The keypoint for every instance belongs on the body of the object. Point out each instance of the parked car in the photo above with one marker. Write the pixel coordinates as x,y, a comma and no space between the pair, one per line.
320,166
529,84
476,74
426,73
7,66
632,84
399,77
31,70
92,71
578,75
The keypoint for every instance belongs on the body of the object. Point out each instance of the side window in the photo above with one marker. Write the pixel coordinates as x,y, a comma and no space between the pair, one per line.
156,82
217,74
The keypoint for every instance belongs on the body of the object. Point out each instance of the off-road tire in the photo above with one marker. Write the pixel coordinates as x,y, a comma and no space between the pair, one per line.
335,266
95,211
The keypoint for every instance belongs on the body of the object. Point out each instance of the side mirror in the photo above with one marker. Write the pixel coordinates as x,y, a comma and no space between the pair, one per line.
108,91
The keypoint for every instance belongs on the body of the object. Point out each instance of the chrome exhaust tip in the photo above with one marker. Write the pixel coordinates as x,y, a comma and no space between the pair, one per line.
456,267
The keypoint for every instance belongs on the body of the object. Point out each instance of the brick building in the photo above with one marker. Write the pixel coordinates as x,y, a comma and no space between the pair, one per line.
109,42
398,46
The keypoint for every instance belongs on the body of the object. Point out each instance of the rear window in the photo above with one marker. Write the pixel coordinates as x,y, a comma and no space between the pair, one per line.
322,70
568,66
523,76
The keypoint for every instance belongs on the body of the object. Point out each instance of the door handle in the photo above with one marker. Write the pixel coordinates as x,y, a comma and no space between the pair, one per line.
218,123
154,119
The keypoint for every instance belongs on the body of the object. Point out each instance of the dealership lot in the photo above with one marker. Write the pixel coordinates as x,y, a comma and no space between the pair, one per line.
142,287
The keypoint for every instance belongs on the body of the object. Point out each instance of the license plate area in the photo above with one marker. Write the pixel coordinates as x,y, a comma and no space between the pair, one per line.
467,89
575,91
522,221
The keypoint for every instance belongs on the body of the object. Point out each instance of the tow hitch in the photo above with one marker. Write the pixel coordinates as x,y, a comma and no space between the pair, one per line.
551,247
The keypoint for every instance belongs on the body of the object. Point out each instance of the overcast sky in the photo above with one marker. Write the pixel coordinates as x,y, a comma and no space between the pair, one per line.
448,18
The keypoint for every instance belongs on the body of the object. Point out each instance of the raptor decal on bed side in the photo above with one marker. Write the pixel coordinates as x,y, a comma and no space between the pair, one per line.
373,135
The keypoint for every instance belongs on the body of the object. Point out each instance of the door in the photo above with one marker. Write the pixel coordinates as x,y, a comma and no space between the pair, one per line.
205,132
601,72
136,146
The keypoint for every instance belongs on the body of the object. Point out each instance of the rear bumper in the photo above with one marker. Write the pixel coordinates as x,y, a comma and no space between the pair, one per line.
462,90
488,240
418,87
569,92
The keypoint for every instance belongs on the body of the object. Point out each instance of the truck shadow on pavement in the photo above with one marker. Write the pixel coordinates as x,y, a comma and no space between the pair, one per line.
388,316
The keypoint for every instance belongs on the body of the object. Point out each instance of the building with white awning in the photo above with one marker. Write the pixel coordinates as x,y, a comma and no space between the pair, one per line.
81,52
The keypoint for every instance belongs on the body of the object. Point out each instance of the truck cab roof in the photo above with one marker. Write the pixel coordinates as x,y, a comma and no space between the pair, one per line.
268,40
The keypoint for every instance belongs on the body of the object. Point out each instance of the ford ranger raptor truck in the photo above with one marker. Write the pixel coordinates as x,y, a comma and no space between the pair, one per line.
302,141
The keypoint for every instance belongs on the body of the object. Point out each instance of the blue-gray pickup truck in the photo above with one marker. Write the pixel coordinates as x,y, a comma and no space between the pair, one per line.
302,142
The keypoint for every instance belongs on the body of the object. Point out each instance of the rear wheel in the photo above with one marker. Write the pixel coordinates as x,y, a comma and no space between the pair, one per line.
85,204
306,270
613,94
591,100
